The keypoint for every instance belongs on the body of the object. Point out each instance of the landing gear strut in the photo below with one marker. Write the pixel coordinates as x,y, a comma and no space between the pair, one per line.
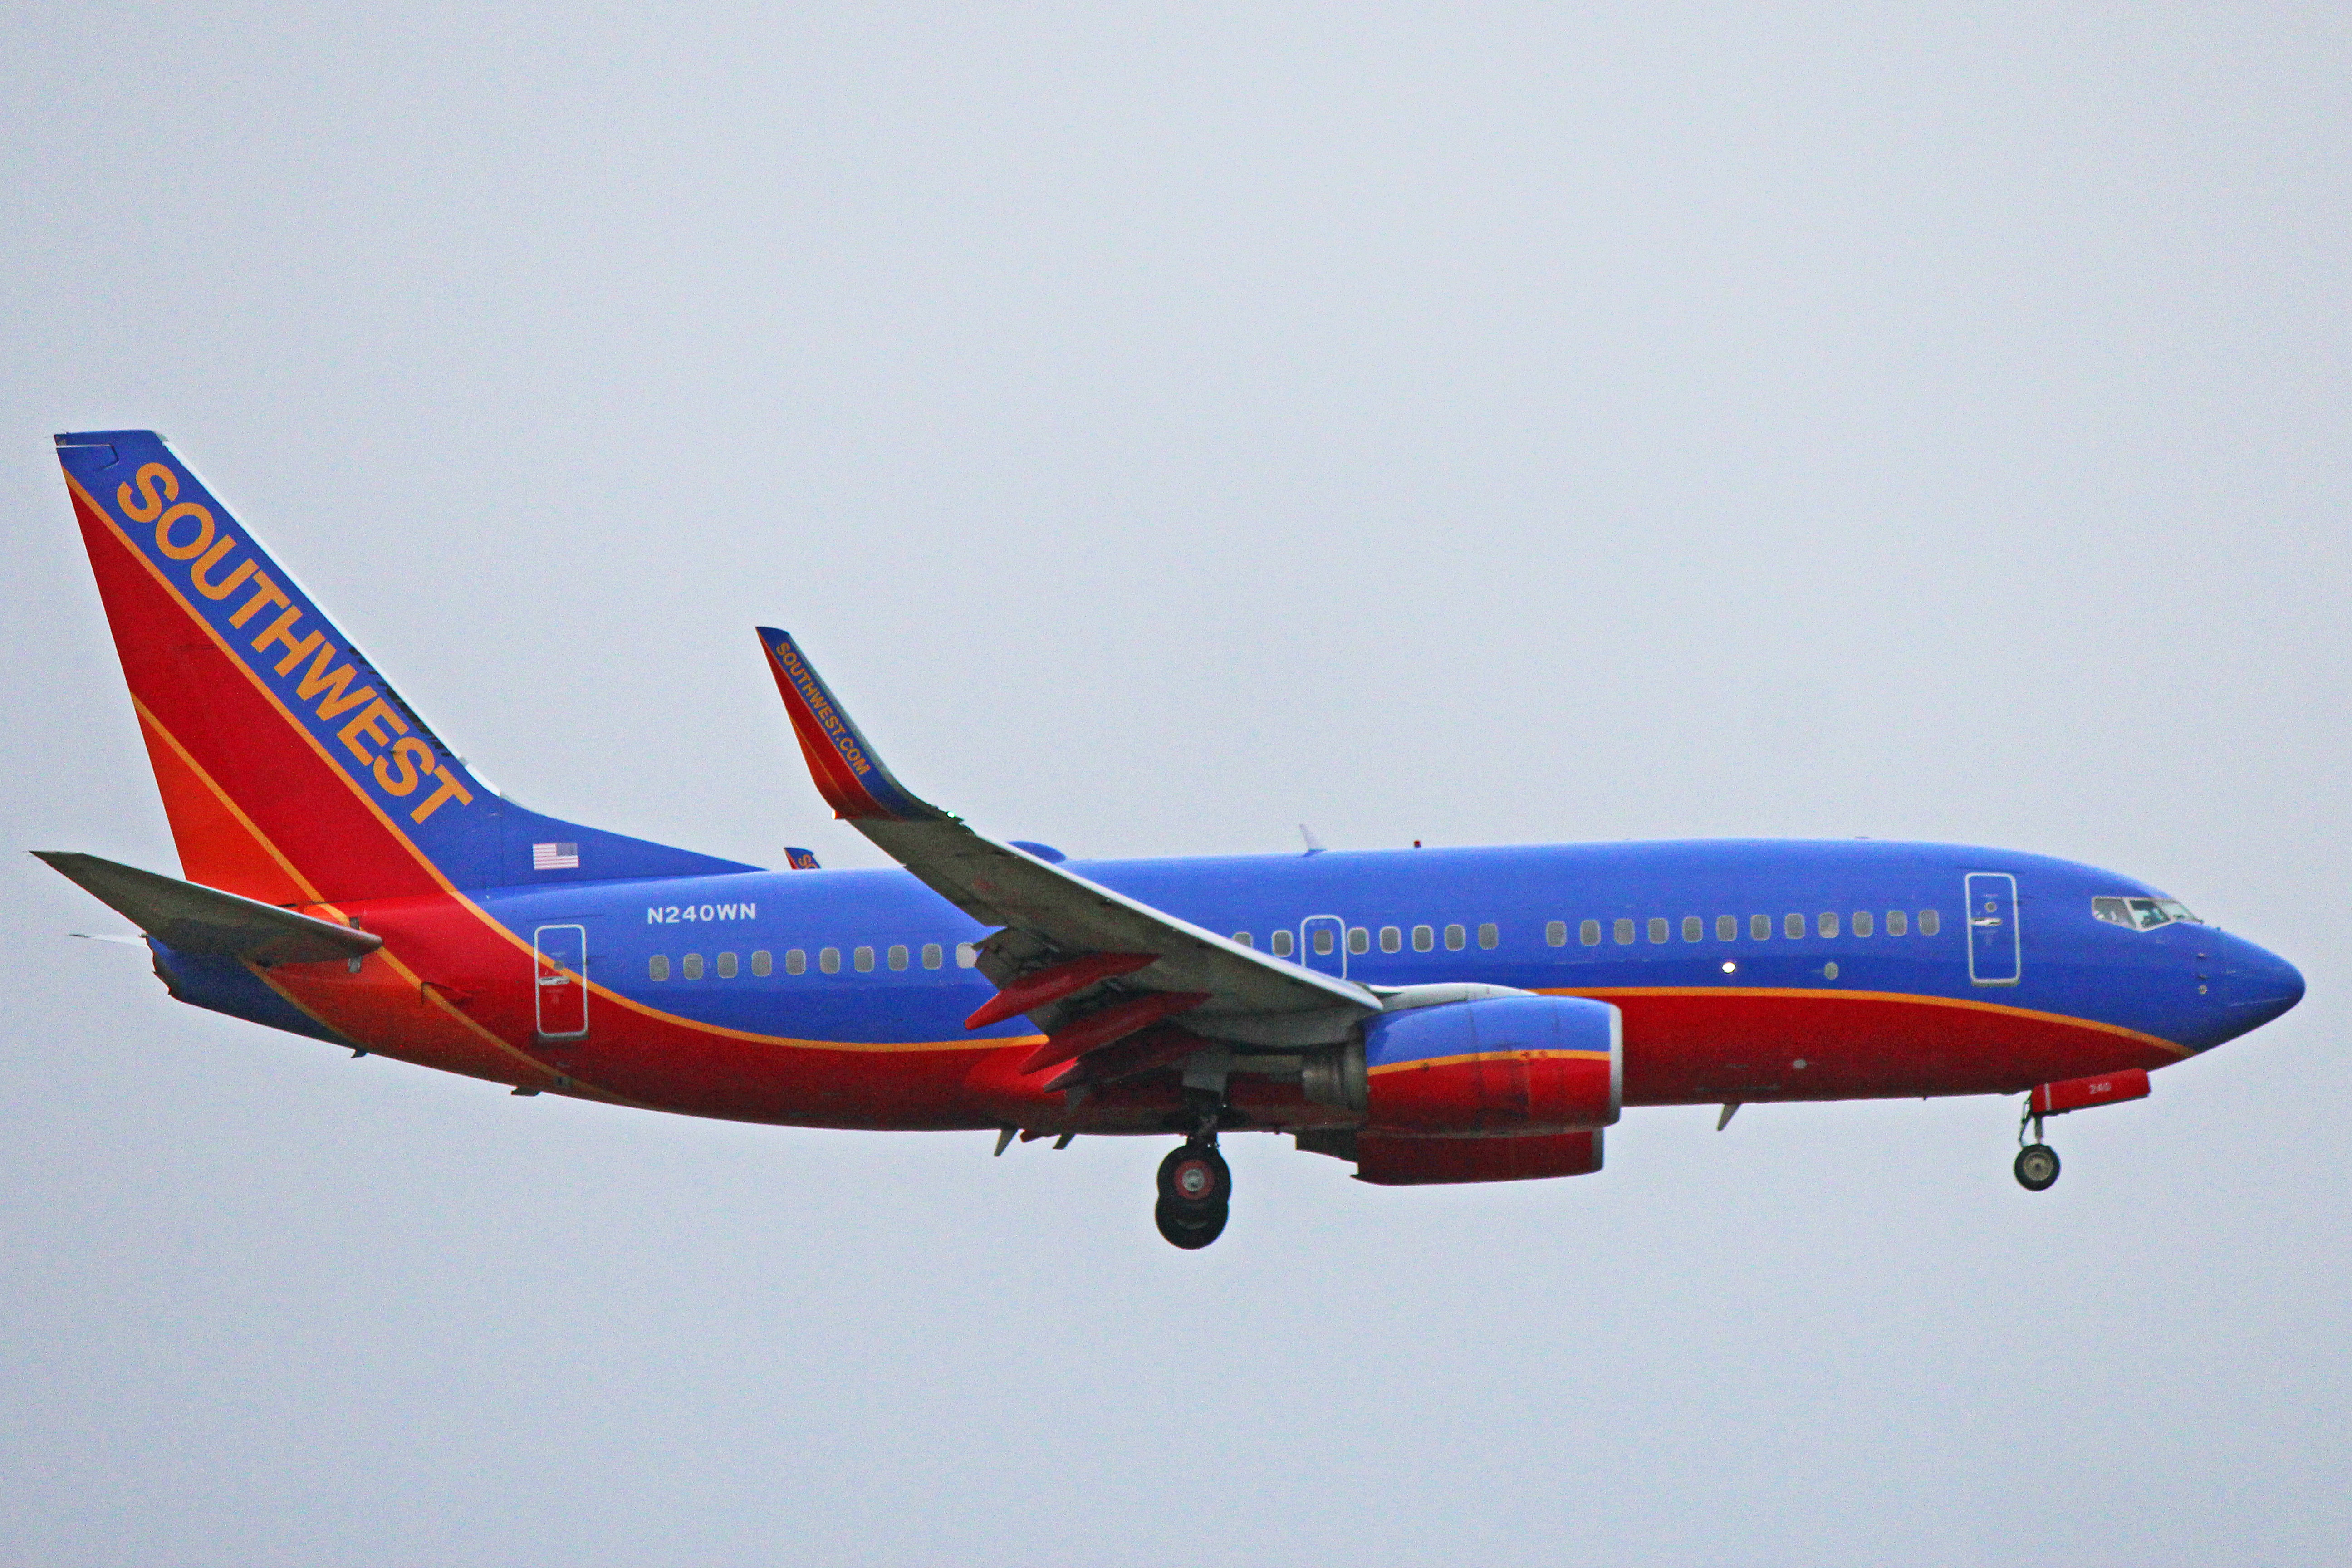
1195,1190
2037,1162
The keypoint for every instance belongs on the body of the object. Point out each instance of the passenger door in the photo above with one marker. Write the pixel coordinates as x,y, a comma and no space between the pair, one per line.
1323,944
559,981
1995,957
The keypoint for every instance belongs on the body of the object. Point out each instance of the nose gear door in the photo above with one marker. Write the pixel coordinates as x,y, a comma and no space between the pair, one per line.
1323,944
1995,957
559,979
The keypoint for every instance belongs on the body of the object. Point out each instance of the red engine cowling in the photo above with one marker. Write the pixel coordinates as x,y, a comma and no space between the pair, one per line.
1392,1161
1509,1066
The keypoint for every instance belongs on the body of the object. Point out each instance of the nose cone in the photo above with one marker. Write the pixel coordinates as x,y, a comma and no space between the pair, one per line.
2257,985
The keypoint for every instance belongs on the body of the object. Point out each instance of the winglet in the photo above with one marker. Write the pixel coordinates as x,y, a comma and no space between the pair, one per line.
848,774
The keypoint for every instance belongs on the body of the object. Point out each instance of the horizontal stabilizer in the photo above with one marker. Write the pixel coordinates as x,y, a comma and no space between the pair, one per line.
188,918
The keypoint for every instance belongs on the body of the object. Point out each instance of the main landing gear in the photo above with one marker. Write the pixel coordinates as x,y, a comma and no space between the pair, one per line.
2037,1162
1195,1192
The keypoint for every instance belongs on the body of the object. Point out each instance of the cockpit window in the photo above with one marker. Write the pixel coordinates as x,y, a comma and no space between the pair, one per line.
2142,914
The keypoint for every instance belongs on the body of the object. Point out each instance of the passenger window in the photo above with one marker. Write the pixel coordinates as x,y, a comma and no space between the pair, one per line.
1456,939
1827,925
1358,940
1726,927
967,955
1657,928
1392,940
1588,933
1244,939
898,956
1862,923
1282,942
829,960
1792,926
1324,940
764,963
691,965
1897,923
1930,922
1424,939
1761,927
1693,928
657,967
795,961
1623,932
1556,933
864,959
932,957
725,966
1487,935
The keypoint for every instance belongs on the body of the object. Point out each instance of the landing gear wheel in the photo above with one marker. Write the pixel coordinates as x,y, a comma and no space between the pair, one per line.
1195,1176
2037,1167
1188,1226
1196,1192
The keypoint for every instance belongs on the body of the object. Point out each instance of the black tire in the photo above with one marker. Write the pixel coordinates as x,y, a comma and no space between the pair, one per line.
1190,1227
2037,1167
1193,1176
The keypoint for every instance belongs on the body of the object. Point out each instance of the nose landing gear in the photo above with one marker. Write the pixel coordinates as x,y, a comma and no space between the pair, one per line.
1196,1190
2037,1162
2037,1167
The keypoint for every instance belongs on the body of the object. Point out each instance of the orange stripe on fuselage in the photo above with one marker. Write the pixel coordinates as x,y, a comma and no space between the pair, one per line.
1422,1062
1700,1045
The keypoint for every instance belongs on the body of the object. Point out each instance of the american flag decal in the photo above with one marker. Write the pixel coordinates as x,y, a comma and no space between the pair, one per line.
555,856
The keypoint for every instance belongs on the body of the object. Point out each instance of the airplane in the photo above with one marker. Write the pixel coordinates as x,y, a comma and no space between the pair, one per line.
1427,1015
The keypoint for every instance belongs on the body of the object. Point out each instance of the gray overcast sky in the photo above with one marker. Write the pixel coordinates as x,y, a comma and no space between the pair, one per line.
1166,425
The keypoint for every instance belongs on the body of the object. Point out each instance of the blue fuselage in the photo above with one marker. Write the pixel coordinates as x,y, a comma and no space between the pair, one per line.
1728,914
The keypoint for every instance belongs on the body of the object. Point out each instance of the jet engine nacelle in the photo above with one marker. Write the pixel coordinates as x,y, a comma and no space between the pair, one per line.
1511,1065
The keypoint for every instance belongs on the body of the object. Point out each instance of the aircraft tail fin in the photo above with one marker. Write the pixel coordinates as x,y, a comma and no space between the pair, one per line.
291,770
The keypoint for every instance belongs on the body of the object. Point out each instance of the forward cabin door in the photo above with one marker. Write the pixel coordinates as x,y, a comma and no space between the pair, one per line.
1995,955
561,971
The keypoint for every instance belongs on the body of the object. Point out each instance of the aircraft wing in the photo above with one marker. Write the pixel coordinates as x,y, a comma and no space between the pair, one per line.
192,918
1080,959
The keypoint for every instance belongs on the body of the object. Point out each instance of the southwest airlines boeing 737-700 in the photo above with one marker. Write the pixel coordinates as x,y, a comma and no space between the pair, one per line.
1424,1015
